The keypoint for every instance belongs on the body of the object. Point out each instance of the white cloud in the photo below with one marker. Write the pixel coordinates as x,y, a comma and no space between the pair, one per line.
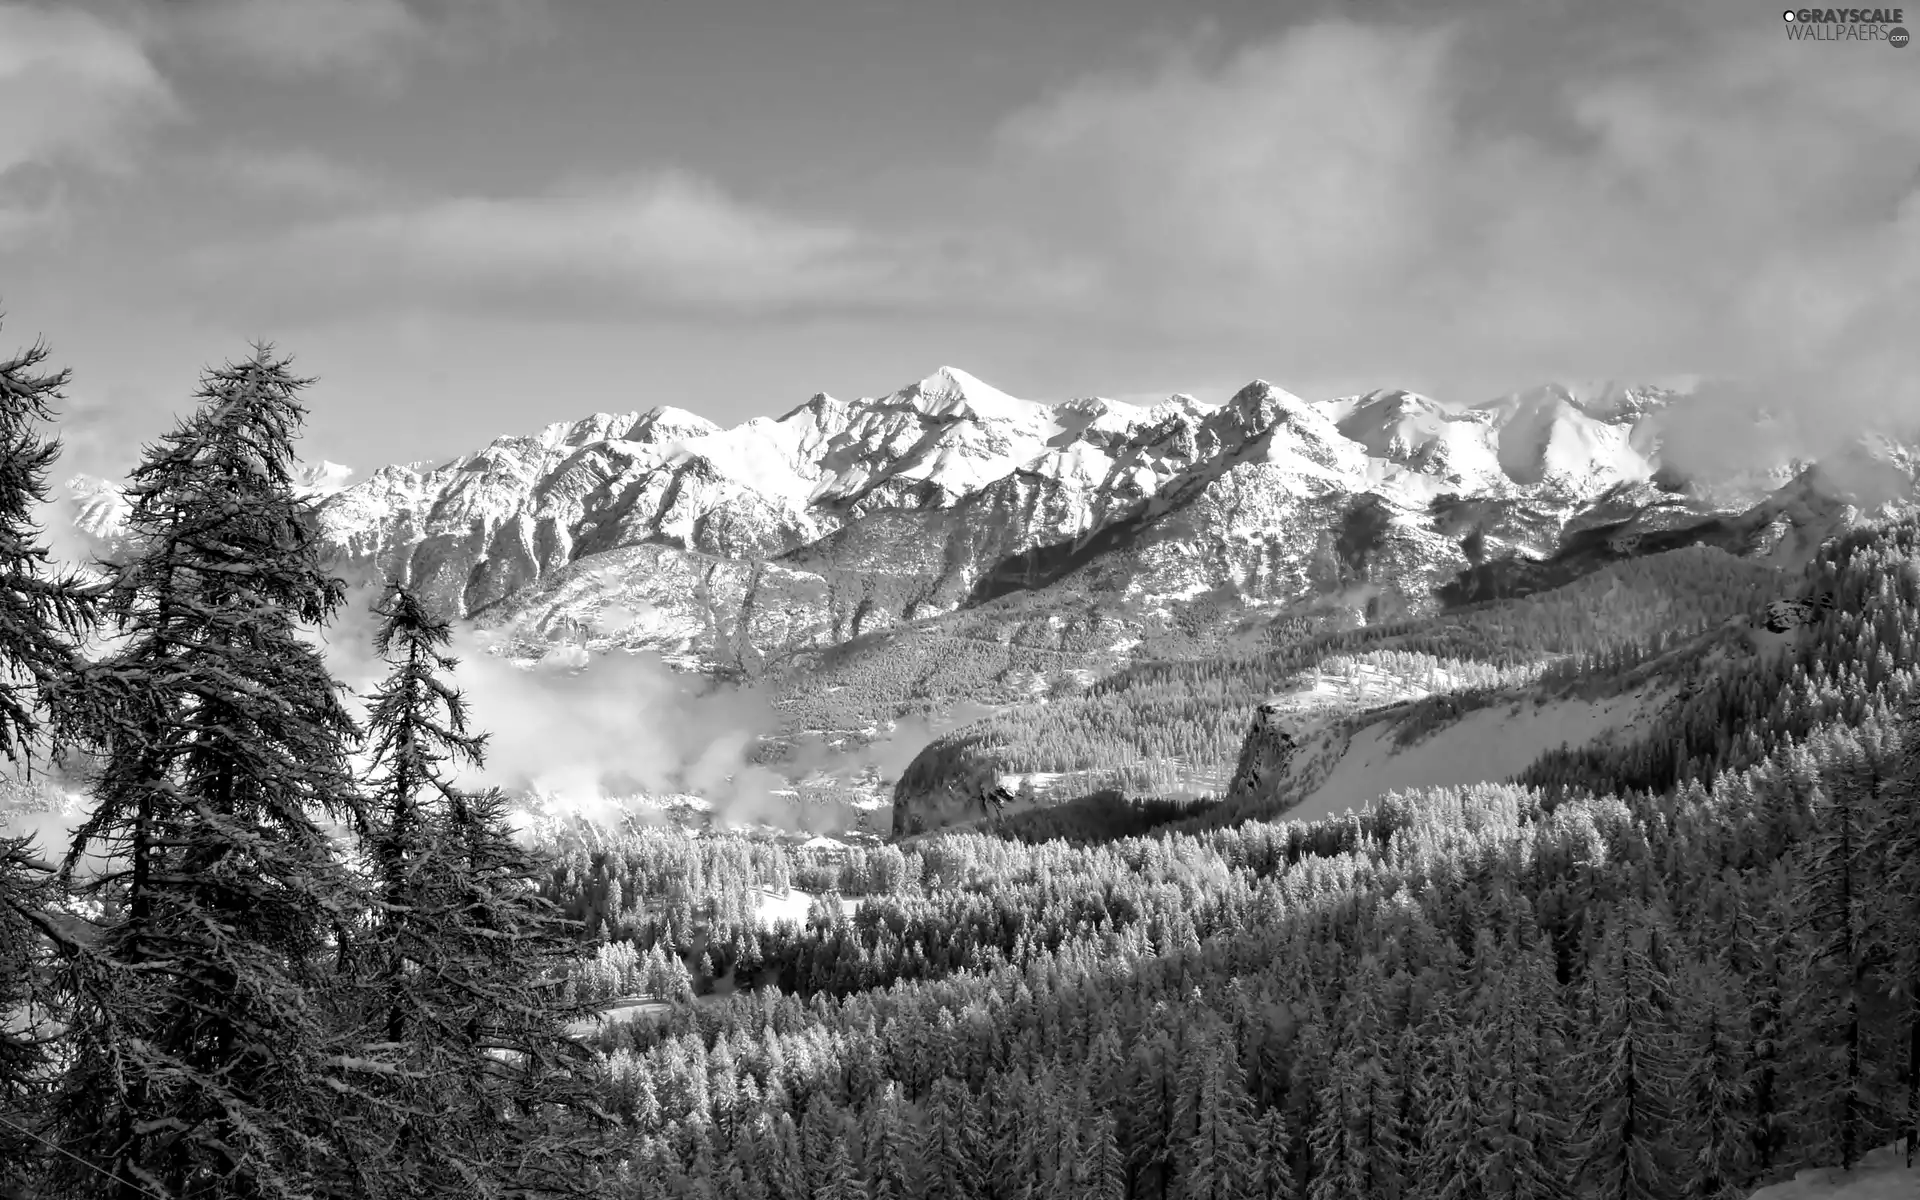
73,89
1429,202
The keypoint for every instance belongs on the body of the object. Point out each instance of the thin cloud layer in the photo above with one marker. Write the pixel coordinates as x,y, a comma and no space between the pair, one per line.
367,39
300,176
668,239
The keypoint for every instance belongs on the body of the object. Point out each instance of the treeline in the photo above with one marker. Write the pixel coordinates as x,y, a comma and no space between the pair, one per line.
258,969
1104,816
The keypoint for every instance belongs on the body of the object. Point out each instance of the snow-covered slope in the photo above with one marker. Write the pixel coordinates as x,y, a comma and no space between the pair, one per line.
1340,767
1882,1175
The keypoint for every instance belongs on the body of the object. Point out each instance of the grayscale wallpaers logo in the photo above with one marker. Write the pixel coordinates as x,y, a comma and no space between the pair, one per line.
1847,25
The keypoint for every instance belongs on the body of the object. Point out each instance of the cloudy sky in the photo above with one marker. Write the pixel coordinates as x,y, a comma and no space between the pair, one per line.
470,217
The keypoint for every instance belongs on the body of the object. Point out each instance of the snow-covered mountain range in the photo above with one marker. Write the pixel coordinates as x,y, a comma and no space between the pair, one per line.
733,550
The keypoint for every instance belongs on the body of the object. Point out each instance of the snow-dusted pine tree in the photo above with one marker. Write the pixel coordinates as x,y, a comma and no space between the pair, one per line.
1213,1115
888,1154
1764,940
1838,937
465,957
1626,1069
43,616
1715,1092
1455,1143
1103,1166
951,1143
197,1062
838,1181
44,613
1526,1132
1339,1168
1896,831
1272,1145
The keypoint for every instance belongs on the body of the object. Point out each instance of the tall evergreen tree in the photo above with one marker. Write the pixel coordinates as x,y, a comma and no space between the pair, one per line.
1839,939
785,1168
1339,1164
1896,830
888,1155
466,957
1214,1112
1103,1166
1150,1111
44,615
1764,938
837,1180
1525,1128
1455,1144
1627,1070
197,1064
1715,1092
1272,1177
32,1025
951,1143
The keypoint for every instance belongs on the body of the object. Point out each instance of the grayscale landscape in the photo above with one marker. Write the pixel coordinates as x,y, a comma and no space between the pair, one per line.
1387,672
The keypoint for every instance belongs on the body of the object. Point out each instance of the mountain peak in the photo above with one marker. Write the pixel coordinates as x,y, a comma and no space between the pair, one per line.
665,422
950,390
323,478
955,378
1260,395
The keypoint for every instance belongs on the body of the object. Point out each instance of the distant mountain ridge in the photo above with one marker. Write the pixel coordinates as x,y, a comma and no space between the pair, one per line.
733,550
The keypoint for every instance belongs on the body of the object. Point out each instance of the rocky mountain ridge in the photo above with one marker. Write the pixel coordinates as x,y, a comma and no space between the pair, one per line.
732,550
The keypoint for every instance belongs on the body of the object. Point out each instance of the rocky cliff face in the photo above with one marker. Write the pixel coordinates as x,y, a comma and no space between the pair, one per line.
1273,745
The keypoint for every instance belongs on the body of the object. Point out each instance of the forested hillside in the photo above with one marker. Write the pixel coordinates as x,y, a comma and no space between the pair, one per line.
1123,729
1749,689
1492,991
1483,991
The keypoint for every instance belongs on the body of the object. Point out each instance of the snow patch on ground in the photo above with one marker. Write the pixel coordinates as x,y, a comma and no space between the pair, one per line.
791,905
1485,746
1881,1175
627,1008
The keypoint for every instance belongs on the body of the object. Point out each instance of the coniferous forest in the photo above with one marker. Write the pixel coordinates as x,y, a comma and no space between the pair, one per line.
287,955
